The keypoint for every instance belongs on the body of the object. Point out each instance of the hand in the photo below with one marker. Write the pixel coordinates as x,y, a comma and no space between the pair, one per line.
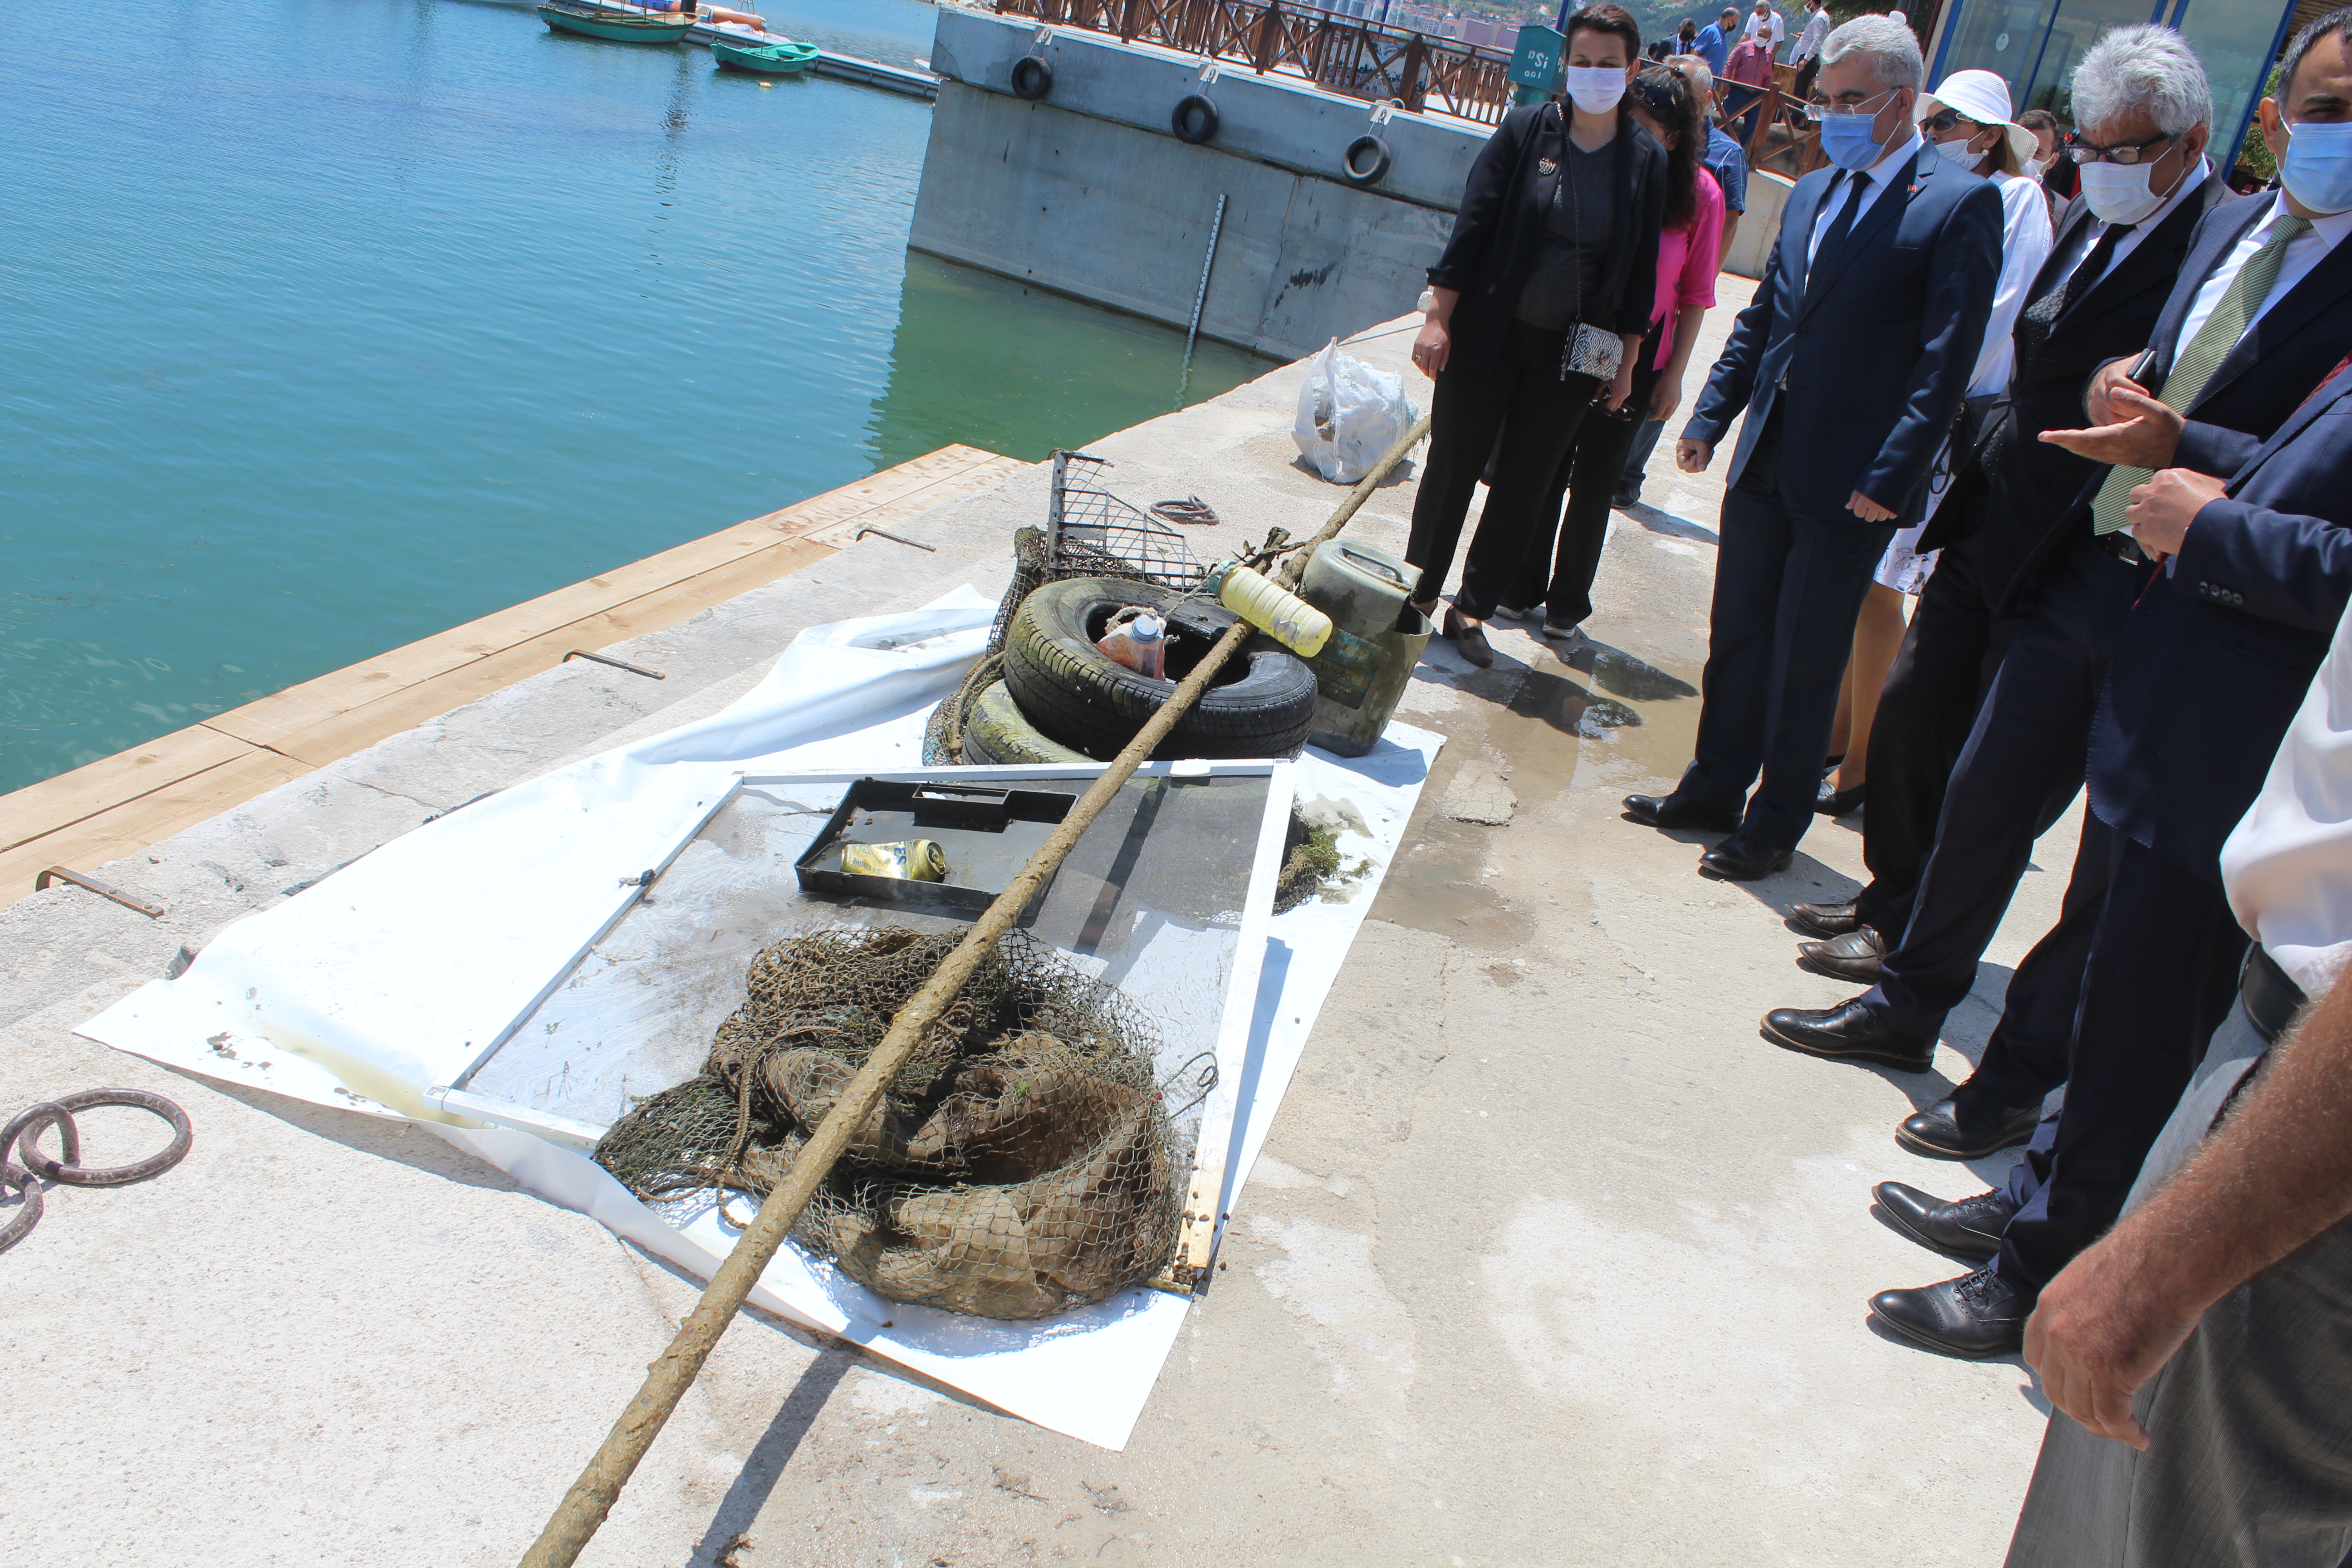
2146,438
1664,398
1432,348
2161,509
1693,457
1869,510
1620,387
2105,381
2097,1333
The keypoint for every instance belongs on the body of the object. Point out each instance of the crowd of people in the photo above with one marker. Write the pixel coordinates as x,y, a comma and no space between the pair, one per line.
2100,449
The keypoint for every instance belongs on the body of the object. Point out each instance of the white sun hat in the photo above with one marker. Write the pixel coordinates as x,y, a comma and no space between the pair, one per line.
1983,97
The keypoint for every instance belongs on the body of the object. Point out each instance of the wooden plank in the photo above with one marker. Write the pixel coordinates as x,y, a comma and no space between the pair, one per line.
156,816
841,535
881,489
37,808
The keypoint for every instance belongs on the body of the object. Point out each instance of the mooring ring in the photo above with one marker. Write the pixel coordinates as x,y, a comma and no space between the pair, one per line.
21,1136
14,1175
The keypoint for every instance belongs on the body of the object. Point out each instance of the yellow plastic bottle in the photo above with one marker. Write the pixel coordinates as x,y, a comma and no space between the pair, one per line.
1270,607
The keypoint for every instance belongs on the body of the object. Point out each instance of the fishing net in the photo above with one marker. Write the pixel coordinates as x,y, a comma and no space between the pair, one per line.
1088,533
1020,1163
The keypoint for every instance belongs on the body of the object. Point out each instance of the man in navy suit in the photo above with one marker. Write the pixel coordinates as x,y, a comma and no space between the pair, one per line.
1851,367
2243,569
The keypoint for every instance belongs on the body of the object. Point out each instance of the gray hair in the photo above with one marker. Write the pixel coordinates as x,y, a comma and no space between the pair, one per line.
2143,67
1892,48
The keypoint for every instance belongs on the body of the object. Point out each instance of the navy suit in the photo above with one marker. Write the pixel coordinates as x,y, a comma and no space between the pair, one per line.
1851,376
2213,661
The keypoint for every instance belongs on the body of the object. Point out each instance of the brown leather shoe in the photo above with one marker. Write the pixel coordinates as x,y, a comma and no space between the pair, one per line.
1469,640
1824,919
1858,956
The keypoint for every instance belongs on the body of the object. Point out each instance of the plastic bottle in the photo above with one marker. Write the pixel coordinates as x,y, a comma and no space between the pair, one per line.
1141,645
1270,607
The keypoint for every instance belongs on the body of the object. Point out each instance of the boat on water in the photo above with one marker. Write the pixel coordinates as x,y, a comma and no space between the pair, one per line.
783,58
620,24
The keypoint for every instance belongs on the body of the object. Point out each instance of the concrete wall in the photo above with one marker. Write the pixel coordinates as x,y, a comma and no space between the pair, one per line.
1751,248
1089,193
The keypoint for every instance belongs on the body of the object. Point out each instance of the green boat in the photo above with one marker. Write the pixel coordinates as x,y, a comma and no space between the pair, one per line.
765,59
623,24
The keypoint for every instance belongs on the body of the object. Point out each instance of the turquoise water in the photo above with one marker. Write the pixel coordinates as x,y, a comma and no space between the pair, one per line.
327,325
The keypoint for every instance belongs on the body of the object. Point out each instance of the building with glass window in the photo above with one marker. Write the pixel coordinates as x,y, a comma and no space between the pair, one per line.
2036,45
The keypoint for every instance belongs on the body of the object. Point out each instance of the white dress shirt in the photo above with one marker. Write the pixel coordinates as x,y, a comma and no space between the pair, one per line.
2025,242
1881,174
1810,41
2303,254
1775,28
2287,867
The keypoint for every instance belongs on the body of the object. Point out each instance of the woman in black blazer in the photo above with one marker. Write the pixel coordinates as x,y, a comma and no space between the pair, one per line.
1549,273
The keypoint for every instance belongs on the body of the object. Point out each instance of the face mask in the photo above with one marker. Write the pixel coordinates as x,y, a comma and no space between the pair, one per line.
2317,168
1596,88
1958,152
2119,193
2036,167
1851,140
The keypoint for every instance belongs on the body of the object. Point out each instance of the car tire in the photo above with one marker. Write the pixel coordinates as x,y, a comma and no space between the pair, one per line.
1077,694
996,733
1032,78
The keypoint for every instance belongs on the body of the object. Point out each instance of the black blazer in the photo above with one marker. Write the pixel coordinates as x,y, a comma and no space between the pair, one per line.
2029,481
2282,357
1499,226
1875,353
2216,656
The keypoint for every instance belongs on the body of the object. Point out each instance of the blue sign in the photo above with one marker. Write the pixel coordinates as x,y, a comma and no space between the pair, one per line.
1536,62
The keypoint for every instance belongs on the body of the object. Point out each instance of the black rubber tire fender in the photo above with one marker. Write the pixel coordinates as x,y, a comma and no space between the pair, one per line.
1032,78
996,733
1195,121
1366,161
1076,694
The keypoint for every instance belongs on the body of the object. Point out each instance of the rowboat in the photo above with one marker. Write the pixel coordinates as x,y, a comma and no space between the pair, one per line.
623,24
765,59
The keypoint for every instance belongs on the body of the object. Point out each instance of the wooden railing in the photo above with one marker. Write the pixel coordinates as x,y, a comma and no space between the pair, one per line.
1779,138
1344,54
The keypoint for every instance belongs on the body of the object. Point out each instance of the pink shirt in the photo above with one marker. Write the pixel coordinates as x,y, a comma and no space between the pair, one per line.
1688,259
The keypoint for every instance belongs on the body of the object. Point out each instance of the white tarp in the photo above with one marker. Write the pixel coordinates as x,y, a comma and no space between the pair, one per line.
394,975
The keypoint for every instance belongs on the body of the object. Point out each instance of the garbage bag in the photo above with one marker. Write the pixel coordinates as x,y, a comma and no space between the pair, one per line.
1348,415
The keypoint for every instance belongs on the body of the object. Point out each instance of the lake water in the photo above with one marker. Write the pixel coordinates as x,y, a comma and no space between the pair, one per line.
327,324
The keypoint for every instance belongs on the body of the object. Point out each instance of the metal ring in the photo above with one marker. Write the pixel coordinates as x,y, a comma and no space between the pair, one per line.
17,1229
73,1174
25,1126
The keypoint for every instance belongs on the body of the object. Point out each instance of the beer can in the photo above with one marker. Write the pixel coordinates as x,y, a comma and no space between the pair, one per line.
917,859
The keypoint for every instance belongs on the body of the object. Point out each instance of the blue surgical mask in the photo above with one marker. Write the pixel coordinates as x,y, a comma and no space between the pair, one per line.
2317,168
1851,140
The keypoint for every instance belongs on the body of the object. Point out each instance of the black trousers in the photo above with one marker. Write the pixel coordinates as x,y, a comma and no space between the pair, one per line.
1788,589
1499,377
2164,957
1946,661
1587,478
2022,763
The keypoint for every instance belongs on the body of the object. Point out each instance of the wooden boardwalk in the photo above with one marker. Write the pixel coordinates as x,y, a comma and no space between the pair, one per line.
125,803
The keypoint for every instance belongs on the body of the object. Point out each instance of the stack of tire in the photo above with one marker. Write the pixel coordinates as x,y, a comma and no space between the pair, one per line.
1063,699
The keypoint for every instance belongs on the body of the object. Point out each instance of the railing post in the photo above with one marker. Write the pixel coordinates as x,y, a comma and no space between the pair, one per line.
1269,35
1768,115
1130,21
1414,90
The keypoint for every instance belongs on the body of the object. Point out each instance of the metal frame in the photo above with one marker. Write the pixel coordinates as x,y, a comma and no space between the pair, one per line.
1212,1149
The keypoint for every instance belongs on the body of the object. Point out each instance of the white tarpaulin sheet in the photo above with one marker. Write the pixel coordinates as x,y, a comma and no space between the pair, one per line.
397,973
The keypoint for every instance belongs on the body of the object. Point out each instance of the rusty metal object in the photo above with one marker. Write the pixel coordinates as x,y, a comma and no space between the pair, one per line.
65,874
615,663
893,537
26,1126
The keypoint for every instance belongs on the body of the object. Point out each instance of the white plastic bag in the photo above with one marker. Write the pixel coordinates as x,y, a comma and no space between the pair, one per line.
1348,415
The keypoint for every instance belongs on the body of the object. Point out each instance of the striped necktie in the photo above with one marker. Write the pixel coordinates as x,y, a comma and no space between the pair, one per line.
2202,358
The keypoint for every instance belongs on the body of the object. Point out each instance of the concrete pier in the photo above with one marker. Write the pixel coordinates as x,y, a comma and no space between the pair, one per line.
1088,191
1550,1259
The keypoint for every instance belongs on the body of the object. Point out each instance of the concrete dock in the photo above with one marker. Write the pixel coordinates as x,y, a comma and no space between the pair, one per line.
1551,1261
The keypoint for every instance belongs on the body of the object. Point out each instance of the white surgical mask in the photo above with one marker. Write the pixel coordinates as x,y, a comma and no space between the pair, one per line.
1958,152
2119,194
2036,167
1596,88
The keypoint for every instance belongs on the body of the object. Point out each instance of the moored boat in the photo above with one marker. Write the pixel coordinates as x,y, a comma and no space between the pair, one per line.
619,23
764,60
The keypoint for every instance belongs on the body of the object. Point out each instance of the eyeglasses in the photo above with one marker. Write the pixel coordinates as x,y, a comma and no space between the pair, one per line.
2124,153
1819,110
1943,121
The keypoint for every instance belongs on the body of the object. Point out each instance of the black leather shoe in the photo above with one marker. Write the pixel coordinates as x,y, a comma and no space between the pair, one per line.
1739,859
1835,801
1824,919
1673,811
1968,1228
1857,956
1966,1125
1976,1317
1468,640
1851,1032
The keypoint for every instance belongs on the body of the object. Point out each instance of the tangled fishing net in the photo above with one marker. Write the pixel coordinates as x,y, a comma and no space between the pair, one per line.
1020,1163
